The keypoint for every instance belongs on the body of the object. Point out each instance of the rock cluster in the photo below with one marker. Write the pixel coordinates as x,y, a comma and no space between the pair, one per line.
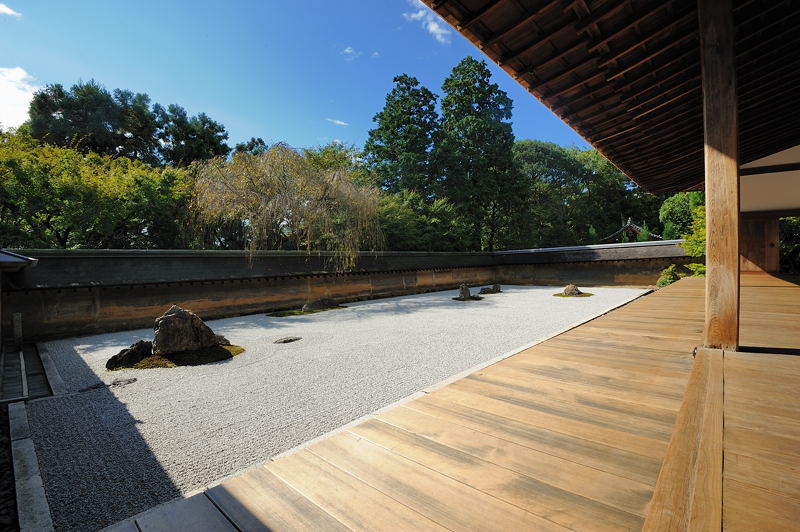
176,331
319,304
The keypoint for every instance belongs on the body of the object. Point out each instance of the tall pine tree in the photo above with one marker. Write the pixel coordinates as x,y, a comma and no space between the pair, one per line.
399,149
475,153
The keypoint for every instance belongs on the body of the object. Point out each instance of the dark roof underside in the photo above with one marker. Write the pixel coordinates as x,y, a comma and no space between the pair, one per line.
626,75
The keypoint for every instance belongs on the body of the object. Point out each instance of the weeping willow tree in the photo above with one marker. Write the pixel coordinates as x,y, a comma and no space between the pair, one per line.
286,201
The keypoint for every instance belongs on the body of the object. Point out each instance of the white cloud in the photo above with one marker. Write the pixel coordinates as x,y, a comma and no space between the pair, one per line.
16,92
337,122
5,10
375,55
429,21
350,53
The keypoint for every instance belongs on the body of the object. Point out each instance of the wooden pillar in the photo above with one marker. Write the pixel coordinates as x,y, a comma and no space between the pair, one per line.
720,116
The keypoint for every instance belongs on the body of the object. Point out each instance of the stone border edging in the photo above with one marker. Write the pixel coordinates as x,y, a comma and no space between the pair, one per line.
51,373
32,507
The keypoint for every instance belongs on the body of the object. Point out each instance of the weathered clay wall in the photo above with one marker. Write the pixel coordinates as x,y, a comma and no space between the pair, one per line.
87,292
60,312
633,272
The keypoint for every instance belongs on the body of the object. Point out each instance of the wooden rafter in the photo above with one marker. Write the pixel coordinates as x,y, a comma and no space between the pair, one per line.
625,75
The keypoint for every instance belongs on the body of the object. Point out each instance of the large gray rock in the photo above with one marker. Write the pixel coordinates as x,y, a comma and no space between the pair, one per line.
463,292
130,356
572,290
181,330
494,289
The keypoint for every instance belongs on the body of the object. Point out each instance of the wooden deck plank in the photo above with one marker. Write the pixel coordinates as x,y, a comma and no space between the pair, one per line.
333,490
749,508
598,456
629,495
762,416
577,428
545,500
260,501
623,404
439,497
590,412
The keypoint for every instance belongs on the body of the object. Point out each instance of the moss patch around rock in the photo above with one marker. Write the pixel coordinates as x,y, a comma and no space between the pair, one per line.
299,312
189,358
584,294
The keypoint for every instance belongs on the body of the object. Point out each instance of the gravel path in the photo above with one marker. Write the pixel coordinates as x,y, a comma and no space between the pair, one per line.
107,452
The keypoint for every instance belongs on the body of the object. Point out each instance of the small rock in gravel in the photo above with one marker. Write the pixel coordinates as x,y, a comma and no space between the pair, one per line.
287,339
318,304
122,382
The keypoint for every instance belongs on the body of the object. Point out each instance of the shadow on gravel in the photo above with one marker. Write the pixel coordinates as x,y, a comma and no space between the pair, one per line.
96,467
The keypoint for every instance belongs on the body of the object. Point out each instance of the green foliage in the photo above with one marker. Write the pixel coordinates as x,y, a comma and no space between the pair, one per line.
644,235
288,201
399,151
254,146
475,155
184,139
410,223
572,190
582,294
669,232
335,157
790,245
669,275
676,213
698,269
54,197
594,238
89,118
695,244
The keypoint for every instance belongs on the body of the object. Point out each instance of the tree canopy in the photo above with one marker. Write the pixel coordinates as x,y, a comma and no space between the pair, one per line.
399,151
100,168
475,153
59,197
89,118
287,201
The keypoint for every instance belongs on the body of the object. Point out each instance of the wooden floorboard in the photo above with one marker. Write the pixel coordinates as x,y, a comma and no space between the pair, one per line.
568,434
761,436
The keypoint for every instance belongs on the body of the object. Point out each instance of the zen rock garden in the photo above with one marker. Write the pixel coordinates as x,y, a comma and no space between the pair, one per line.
181,339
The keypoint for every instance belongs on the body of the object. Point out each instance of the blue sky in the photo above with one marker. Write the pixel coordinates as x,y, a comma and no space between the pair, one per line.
305,71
